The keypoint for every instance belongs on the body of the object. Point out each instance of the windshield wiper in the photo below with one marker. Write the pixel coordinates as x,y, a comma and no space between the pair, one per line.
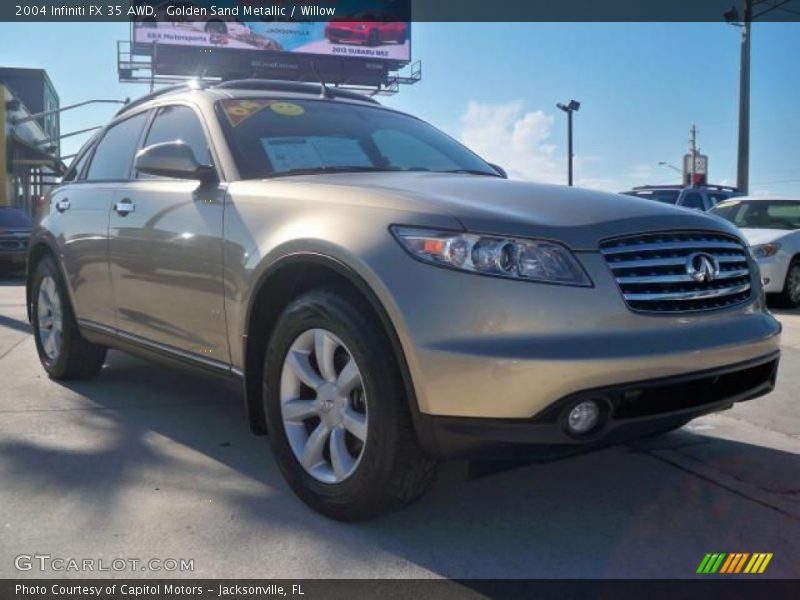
337,169
473,172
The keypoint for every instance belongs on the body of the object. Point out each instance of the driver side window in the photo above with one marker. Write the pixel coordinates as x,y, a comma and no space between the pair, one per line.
178,123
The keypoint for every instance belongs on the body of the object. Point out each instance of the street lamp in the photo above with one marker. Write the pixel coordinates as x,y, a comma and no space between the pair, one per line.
663,163
570,108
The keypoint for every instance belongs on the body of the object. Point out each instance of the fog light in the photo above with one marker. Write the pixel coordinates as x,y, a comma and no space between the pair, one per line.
583,417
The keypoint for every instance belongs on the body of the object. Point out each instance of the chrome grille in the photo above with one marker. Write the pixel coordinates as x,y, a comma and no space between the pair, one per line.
652,274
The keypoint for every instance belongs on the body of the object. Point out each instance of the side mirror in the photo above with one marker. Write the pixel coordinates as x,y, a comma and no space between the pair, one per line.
500,170
173,159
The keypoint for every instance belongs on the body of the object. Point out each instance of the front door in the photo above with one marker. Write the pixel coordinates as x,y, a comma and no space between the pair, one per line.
165,251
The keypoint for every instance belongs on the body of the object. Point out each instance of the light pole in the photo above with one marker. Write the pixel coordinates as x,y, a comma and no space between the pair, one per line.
732,17
663,163
570,108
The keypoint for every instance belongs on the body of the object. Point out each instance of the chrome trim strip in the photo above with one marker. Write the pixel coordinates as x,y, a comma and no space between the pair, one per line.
699,246
695,295
734,274
163,348
669,262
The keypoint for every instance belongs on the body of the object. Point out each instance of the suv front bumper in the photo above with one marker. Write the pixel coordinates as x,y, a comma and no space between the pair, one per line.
630,411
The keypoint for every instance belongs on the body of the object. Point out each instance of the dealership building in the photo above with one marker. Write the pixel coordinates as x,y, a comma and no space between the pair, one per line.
30,154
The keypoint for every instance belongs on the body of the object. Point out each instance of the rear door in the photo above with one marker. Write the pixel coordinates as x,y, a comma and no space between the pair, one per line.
165,250
79,218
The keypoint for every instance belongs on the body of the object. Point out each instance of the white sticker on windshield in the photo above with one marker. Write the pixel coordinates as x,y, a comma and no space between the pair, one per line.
292,153
289,154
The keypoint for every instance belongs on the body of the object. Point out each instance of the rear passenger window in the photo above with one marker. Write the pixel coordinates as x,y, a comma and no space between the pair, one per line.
179,124
693,200
114,154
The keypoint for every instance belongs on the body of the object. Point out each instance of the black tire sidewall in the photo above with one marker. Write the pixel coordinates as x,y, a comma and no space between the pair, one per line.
47,267
374,469
787,292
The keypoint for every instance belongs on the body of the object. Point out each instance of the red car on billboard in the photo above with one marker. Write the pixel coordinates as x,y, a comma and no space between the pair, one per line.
371,28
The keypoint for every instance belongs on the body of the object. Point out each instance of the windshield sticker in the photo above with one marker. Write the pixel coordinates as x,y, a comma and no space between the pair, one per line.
239,110
287,109
298,153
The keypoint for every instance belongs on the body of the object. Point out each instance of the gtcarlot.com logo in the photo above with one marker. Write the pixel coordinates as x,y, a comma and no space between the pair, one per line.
45,562
735,562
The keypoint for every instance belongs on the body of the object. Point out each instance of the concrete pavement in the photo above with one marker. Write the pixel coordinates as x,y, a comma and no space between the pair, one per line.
146,463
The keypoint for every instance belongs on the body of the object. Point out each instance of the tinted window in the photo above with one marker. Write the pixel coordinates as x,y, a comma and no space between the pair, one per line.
270,137
14,218
761,214
77,166
179,124
114,154
693,200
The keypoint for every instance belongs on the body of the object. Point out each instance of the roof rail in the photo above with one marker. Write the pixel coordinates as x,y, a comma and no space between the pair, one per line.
668,186
180,87
275,85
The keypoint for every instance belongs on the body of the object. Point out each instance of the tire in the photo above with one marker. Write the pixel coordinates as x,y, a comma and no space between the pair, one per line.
388,469
63,351
374,39
790,296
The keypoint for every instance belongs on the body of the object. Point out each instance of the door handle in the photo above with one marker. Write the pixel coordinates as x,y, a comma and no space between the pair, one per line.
124,207
62,205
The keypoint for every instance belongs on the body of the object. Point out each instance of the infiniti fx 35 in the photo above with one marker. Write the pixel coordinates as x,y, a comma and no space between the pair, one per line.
386,297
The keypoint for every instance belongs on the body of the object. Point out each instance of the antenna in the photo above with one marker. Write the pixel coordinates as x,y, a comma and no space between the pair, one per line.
326,93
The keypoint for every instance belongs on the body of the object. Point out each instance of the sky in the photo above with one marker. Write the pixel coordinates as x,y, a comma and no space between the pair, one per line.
495,87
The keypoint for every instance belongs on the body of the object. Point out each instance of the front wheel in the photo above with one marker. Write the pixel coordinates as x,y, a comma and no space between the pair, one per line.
63,351
337,414
790,297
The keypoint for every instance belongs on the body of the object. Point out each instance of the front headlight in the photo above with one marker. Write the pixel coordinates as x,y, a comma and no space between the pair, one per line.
513,258
764,250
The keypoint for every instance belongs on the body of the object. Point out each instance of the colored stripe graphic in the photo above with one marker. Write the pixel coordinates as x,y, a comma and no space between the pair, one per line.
765,563
735,561
703,563
741,562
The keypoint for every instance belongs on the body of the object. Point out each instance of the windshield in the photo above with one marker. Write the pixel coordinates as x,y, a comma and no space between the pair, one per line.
760,214
14,218
665,196
270,138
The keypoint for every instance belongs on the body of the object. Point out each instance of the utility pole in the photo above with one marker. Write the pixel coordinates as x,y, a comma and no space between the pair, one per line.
693,154
743,155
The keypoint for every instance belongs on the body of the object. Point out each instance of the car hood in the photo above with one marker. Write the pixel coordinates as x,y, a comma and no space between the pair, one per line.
764,236
578,217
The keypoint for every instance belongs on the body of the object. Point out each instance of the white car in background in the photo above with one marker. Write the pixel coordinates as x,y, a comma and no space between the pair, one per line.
772,227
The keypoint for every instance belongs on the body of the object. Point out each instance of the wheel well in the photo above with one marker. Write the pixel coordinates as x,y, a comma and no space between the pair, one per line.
35,255
274,293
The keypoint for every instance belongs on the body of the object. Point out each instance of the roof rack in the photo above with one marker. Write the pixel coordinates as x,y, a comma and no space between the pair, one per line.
671,186
170,89
275,85
248,84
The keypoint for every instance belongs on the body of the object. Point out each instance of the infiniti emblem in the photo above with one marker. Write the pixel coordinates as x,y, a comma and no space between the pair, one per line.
702,267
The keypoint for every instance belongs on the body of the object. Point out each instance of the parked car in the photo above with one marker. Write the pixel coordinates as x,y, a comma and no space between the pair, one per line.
15,231
772,227
372,28
701,198
386,297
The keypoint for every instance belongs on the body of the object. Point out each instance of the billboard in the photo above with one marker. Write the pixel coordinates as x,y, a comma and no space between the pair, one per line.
362,30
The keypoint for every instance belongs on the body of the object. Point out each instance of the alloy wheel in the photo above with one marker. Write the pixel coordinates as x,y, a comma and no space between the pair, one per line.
323,406
50,319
